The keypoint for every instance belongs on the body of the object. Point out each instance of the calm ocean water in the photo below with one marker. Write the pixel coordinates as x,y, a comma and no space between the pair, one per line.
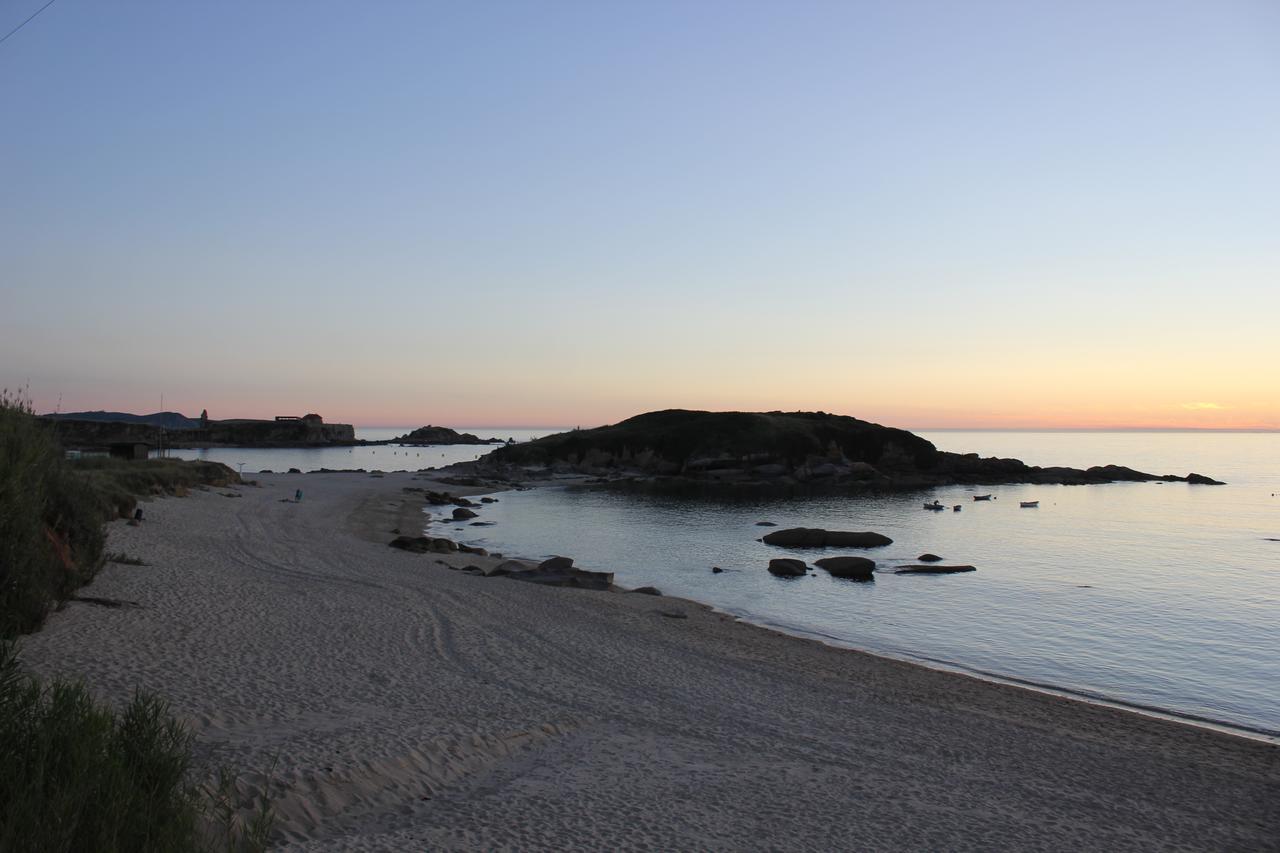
1159,596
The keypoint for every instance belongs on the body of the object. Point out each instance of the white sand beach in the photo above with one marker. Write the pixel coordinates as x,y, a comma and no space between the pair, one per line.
406,706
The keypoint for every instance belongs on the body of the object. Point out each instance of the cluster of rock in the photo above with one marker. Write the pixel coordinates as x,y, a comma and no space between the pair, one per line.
771,451
556,571
854,568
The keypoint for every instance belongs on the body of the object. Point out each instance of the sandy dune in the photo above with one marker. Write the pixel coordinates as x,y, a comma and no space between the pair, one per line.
408,706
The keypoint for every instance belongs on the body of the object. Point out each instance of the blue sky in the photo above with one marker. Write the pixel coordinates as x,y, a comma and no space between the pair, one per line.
929,214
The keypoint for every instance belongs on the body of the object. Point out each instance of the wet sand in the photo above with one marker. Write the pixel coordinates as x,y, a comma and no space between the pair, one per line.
406,705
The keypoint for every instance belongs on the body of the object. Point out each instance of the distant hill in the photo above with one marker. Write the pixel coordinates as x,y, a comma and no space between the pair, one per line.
168,420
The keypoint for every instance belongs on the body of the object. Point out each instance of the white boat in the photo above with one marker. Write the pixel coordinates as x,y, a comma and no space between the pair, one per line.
1029,504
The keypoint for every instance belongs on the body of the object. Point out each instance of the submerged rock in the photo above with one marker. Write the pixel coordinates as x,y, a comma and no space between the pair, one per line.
462,514
814,537
787,568
848,567
933,569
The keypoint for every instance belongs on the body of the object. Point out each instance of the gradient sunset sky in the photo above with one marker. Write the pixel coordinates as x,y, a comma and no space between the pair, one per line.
927,214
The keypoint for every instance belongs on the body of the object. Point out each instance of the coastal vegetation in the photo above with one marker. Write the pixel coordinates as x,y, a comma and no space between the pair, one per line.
79,775
52,511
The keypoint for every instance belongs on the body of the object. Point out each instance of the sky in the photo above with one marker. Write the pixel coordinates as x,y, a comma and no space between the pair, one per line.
925,214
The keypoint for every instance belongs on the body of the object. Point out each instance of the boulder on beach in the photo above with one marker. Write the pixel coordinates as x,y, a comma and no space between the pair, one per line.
646,590
565,575
929,558
848,567
468,549
787,568
555,564
424,544
933,569
816,537
462,514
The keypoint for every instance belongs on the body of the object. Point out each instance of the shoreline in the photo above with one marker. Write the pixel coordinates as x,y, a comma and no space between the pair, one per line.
413,705
1254,733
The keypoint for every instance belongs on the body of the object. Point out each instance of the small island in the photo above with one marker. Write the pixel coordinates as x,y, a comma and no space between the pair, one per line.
717,452
430,435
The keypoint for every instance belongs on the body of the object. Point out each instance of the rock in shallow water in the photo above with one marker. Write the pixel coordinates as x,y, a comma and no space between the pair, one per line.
815,537
933,569
929,558
848,567
785,568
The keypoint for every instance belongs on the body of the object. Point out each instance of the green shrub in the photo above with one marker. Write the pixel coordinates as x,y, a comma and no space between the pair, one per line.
51,536
52,510
79,776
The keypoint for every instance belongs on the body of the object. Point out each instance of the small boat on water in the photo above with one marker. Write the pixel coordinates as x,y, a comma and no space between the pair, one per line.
956,508
982,497
1029,504
934,505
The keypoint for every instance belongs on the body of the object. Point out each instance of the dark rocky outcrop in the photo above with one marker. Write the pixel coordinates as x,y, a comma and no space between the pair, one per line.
462,514
555,564
815,537
786,568
929,558
694,452
1202,480
848,567
933,569
308,431
647,590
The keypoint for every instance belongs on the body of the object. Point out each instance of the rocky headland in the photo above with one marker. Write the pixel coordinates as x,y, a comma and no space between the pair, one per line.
694,451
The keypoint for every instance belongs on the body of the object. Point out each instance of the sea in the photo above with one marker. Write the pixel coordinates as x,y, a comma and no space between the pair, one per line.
1159,597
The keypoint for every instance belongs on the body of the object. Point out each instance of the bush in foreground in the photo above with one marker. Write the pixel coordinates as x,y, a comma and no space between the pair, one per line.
79,776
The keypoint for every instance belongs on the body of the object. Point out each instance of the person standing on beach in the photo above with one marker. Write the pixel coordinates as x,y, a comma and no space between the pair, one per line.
297,496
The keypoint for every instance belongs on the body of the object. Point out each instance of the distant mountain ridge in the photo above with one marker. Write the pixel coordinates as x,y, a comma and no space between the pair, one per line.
167,420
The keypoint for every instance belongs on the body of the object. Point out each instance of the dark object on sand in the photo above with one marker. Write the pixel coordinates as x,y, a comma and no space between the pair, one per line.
786,568
933,569
647,590
137,514
424,544
297,496
813,537
857,568
554,564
